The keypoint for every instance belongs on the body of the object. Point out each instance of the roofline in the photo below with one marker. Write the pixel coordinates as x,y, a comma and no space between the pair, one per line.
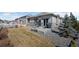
47,14
40,16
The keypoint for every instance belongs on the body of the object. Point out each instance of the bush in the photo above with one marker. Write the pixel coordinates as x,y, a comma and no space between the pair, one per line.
3,33
4,42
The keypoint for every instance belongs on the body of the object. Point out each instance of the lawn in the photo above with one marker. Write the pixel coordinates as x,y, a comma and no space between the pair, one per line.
22,37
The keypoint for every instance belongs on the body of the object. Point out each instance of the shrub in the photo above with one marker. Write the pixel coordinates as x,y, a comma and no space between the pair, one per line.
4,41
3,33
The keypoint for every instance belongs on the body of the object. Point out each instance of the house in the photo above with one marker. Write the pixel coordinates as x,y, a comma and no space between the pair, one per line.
42,20
45,20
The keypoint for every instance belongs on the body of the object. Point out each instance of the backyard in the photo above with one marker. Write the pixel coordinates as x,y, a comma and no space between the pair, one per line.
22,37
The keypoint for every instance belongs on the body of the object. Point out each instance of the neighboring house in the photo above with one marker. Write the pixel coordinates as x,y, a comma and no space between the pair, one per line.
22,21
12,22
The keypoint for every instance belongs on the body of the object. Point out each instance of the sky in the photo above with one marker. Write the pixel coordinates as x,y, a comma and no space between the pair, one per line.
13,15
11,9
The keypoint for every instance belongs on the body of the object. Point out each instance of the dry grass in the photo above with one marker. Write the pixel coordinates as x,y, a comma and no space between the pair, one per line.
23,37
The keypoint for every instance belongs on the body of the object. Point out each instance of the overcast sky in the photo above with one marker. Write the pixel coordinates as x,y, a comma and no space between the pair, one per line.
14,15
9,8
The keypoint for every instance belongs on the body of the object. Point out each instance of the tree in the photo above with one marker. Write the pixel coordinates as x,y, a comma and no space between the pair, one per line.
64,27
66,21
73,20
77,27
69,25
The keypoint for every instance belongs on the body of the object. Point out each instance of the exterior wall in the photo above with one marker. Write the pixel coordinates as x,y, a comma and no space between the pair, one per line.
22,21
31,22
42,22
58,22
26,21
55,23
50,20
